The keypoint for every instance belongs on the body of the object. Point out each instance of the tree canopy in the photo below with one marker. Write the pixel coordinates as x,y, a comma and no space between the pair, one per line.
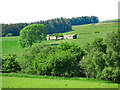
32,34
103,58
52,60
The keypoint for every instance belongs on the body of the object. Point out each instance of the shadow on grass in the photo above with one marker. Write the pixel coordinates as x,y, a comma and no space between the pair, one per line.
54,44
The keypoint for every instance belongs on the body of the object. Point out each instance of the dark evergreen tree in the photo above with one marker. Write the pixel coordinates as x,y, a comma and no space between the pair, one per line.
57,25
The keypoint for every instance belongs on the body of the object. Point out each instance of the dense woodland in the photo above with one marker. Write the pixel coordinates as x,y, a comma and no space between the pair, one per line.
84,20
57,25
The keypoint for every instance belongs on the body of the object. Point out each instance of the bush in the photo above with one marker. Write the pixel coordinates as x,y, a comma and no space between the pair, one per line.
112,57
60,62
103,60
97,32
28,56
96,45
111,74
9,35
49,60
64,63
57,34
60,35
95,63
9,63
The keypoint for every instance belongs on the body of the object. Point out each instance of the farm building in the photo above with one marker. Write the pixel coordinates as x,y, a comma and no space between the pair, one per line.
70,36
66,36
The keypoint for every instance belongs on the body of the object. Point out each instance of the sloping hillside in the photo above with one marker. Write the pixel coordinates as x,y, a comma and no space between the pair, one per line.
85,34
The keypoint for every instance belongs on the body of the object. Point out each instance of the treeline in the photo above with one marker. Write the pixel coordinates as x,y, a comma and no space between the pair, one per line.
57,25
84,20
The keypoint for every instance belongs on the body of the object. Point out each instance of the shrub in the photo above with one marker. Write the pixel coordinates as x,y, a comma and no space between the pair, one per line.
111,74
56,34
96,45
60,35
103,60
97,32
95,63
28,56
112,57
49,60
9,35
64,63
9,63
60,61
57,64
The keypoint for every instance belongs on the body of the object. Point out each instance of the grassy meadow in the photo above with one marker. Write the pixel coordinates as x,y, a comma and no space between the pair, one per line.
10,45
85,34
52,83
35,81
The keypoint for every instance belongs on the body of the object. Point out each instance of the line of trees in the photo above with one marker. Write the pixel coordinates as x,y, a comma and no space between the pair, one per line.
84,20
57,25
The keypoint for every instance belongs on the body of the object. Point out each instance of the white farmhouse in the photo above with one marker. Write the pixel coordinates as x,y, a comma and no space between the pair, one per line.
65,36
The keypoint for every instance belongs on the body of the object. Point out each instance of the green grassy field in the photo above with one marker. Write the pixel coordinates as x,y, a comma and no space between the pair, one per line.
10,45
37,82
113,20
85,34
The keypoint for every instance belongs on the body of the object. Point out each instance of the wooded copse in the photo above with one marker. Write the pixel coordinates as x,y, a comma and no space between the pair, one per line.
57,25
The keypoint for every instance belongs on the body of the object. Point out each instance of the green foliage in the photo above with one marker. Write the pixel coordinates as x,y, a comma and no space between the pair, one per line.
111,74
60,35
84,35
96,45
27,57
84,20
97,32
64,63
112,58
95,63
9,63
113,41
57,64
103,61
56,34
32,34
60,62
40,64
57,25
9,35
49,60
